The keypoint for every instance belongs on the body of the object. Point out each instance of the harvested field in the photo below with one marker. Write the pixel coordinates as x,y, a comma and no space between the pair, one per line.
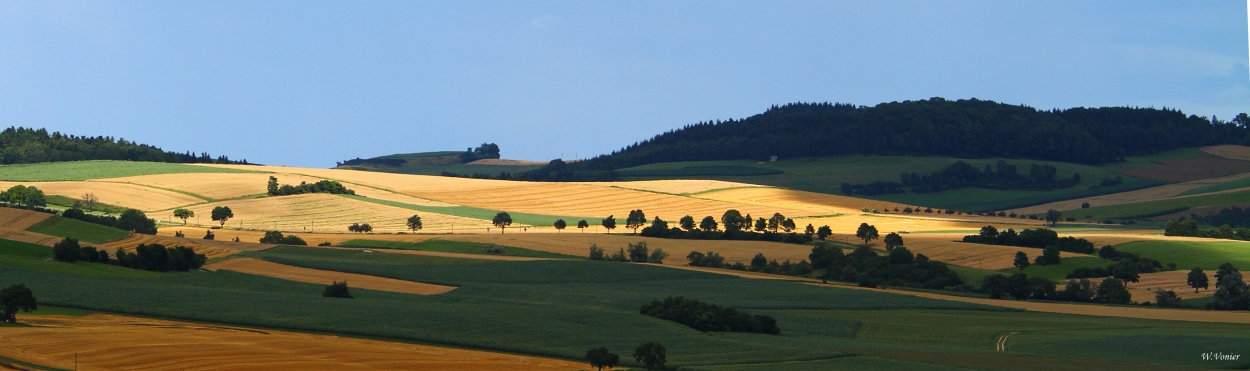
1144,290
149,344
946,249
1202,166
325,212
1229,151
676,186
21,219
211,248
298,274
216,186
1148,194
19,235
128,195
578,244
816,203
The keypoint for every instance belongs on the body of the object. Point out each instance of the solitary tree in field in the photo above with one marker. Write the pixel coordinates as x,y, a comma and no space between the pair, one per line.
14,298
502,220
601,357
1197,279
414,223
183,214
824,232
651,354
1021,262
222,214
708,224
1053,216
89,200
686,222
582,225
892,240
609,223
866,232
337,290
560,225
635,220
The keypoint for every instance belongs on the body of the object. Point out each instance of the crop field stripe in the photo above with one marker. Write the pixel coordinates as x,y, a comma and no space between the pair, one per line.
1149,207
72,228
537,220
88,170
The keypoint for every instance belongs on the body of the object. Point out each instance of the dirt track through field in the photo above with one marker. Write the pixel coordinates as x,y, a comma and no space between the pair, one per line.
109,342
324,277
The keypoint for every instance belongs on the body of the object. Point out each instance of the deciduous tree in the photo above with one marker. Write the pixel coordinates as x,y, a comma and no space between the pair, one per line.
1197,279
222,214
866,232
414,223
560,225
582,225
502,220
600,358
183,214
16,298
651,354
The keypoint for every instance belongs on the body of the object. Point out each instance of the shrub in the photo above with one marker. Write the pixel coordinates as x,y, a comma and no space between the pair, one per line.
709,317
337,290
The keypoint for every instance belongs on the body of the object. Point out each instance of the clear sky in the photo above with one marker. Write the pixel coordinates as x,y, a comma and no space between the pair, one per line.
308,83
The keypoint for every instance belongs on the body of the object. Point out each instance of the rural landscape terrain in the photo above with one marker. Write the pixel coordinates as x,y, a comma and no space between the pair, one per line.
947,239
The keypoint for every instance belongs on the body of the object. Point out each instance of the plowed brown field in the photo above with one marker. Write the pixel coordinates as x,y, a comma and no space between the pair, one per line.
128,195
317,276
1201,166
109,342
21,219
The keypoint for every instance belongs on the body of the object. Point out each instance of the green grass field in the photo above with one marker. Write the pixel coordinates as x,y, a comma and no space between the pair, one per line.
478,213
561,308
1186,255
462,169
1157,206
1232,184
453,246
826,174
87,170
80,230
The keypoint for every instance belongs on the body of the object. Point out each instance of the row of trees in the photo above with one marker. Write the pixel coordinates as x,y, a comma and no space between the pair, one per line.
321,186
130,220
150,257
25,196
1190,228
27,145
1021,287
1232,216
275,237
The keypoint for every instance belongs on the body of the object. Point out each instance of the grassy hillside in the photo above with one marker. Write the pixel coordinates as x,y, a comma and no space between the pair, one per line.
1186,255
88,170
80,230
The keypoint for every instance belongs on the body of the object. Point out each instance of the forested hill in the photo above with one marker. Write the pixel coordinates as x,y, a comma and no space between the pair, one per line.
964,128
23,146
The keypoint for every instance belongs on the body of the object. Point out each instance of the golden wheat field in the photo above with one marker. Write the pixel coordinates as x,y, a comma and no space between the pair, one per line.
110,342
1144,289
317,276
814,203
324,212
128,195
216,186
211,248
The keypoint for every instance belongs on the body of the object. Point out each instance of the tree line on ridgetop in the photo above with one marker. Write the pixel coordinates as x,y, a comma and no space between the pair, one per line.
20,145
935,127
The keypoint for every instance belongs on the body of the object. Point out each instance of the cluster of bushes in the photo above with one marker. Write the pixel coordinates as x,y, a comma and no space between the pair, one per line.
1190,228
130,220
1231,216
899,267
1021,287
649,354
150,257
1127,266
486,150
1036,238
360,228
25,196
275,237
493,249
322,186
637,253
1002,176
337,290
707,317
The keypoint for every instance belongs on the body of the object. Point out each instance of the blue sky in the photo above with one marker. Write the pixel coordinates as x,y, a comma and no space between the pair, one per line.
308,83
